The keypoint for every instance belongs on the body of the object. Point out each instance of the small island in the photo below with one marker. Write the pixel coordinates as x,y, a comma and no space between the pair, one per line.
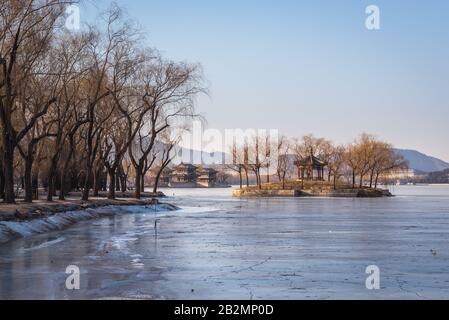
310,189
322,169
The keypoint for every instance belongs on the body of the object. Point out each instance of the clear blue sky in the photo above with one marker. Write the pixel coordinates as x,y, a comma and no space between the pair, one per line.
312,66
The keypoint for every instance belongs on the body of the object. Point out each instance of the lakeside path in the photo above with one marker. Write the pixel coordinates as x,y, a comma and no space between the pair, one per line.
40,208
27,219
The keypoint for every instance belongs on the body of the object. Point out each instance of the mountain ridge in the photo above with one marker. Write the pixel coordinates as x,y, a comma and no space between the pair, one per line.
418,161
422,162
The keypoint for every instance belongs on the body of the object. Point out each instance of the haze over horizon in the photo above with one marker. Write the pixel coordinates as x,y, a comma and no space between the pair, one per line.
312,67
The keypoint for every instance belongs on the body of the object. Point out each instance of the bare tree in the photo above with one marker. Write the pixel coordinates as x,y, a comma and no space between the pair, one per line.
166,156
336,163
238,160
101,53
384,161
168,90
26,32
283,163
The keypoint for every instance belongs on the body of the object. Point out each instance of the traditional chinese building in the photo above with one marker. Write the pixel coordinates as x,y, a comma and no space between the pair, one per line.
183,175
190,176
311,168
206,177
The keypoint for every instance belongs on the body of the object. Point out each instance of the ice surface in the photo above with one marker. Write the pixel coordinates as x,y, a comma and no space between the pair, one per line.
247,249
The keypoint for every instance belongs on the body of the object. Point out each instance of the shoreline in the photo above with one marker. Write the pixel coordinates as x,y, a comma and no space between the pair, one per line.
22,211
315,189
23,220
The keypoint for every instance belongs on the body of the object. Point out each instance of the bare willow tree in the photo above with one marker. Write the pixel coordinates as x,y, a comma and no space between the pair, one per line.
67,58
384,161
27,28
165,154
283,162
237,161
352,161
129,112
336,163
76,105
259,153
168,90
101,47
38,91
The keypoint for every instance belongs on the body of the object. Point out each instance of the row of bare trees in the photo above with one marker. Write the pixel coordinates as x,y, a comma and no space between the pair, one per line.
79,109
361,163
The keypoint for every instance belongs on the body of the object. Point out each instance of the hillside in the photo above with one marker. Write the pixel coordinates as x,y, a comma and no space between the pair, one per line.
422,162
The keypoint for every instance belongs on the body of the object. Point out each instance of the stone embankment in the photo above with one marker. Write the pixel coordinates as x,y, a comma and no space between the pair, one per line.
318,191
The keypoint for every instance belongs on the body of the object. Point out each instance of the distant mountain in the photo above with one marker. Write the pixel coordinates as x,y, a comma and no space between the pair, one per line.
417,160
197,157
421,162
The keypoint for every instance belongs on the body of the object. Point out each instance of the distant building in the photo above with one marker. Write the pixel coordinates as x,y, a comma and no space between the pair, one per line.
401,174
184,175
190,176
206,177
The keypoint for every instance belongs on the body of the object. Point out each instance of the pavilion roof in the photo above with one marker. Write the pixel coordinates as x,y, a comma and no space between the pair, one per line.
311,160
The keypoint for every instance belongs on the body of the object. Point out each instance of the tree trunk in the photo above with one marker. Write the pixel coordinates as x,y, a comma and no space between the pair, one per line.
62,189
63,176
353,178
86,189
257,178
28,178
96,183
138,191
302,179
241,179
142,183
112,181
51,178
8,156
35,184
117,181
376,181
51,186
124,183
122,178
371,178
65,165
2,182
90,158
156,181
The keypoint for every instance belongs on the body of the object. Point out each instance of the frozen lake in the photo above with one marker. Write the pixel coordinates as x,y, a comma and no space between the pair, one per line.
218,247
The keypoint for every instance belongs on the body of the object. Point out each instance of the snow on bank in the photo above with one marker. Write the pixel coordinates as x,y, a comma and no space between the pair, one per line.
14,229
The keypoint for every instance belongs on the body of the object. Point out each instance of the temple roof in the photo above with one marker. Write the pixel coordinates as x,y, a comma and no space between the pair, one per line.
184,166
